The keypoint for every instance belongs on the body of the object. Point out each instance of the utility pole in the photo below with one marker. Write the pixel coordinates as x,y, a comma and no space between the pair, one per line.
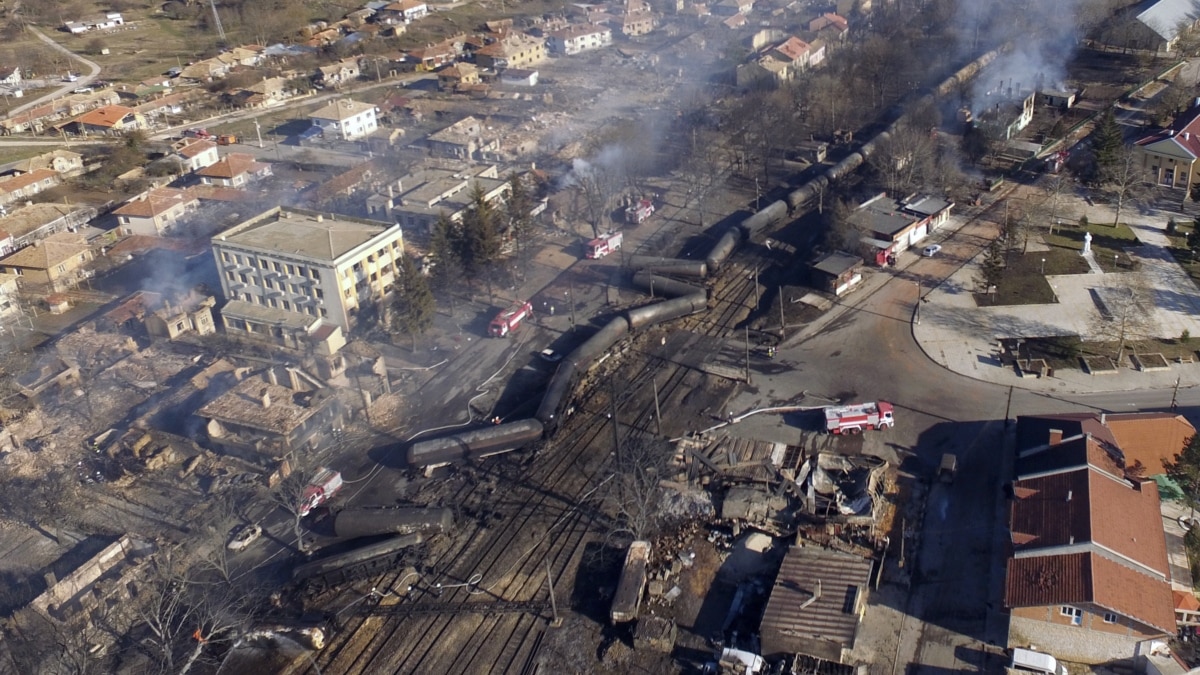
918,302
571,300
557,620
612,385
747,354
756,287
258,132
1174,396
782,321
658,413
217,20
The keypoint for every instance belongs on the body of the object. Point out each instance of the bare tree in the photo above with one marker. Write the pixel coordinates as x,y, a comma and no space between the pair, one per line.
704,169
1125,179
635,495
594,186
1057,187
905,159
1125,313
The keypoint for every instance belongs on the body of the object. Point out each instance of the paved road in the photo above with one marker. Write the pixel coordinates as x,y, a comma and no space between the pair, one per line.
83,81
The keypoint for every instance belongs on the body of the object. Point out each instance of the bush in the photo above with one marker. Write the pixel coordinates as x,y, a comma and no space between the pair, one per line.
1185,336
1172,226
1083,221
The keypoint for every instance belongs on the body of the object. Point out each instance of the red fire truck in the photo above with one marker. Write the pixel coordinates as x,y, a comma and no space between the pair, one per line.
510,319
854,419
604,244
639,211
324,485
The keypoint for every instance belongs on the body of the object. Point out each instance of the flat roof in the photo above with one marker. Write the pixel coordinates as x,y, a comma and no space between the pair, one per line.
305,233
837,262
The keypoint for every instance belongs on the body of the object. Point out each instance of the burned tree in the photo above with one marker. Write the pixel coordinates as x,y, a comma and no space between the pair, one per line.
1125,307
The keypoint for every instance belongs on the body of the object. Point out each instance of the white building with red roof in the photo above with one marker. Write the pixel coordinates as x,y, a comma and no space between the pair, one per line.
1169,155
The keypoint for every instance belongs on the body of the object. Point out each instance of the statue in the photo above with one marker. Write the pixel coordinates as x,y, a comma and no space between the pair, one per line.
1087,243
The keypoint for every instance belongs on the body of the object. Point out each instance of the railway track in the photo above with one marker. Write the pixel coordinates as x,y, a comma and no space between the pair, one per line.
547,523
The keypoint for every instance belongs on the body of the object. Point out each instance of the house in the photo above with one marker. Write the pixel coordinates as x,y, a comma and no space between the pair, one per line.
155,211
271,414
270,92
206,70
732,7
345,119
106,22
32,222
453,77
432,57
887,227
63,162
9,293
402,12
837,272
1149,26
196,153
1168,156
1142,442
25,185
1062,99
637,18
462,140
159,317
53,264
288,271
515,50
1088,576
578,38
10,76
519,77
338,74
236,170
109,119
830,26
7,243
420,198
934,210
1005,110
816,603
736,21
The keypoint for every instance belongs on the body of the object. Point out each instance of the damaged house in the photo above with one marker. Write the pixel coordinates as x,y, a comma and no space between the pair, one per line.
272,414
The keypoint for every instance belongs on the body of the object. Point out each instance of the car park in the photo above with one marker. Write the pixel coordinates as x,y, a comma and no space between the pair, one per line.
931,250
243,536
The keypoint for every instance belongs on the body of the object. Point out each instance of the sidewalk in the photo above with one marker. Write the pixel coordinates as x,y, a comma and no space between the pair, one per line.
964,337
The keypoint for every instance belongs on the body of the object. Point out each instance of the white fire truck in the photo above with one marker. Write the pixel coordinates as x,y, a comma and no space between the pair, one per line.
854,419
604,244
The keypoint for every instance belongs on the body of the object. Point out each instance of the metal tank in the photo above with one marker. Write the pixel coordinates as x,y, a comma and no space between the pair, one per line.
354,523
475,443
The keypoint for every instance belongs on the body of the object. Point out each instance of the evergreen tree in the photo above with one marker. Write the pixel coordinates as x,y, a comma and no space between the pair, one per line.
992,268
520,223
1185,472
1107,140
412,303
481,237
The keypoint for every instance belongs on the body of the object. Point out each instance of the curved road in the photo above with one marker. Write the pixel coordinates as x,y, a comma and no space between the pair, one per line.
83,81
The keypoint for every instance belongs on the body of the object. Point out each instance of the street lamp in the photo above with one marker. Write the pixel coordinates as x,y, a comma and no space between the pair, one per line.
918,317
1115,257
1043,267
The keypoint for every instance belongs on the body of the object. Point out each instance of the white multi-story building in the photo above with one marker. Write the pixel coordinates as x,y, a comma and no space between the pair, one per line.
346,119
578,38
287,272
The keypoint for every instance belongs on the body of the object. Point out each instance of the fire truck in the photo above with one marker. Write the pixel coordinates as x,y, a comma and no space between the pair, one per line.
854,419
510,319
324,485
639,211
604,244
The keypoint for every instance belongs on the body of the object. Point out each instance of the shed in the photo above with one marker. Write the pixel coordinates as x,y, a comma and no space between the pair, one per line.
837,272
816,603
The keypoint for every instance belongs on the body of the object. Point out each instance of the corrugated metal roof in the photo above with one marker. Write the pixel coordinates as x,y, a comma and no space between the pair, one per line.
843,580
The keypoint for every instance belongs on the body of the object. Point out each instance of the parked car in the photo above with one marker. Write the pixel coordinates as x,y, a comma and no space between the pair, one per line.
550,356
243,536
931,250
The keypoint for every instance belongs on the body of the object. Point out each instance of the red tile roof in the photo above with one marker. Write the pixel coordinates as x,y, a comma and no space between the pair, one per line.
14,183
235,164
1080,578
1184,133
154,202
108,116
1052,510
195,146
793,48
1150,438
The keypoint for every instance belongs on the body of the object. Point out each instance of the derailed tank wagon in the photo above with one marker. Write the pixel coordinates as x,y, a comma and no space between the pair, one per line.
360,562
474,444
354,523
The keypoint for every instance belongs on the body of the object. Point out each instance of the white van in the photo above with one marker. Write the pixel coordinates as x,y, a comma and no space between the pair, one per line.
1036,662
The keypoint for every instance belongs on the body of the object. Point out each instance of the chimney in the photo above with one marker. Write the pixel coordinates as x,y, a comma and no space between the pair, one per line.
265,397
1069,492
1072,540
1103,418
391,192
271,376
1055,436
320,218
295,379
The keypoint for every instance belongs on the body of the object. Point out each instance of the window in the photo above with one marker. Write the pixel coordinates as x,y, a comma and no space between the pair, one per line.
320,294
313,273
264,264
243,278
1109,617
291,269
287,305
1074,613
277,266
230,276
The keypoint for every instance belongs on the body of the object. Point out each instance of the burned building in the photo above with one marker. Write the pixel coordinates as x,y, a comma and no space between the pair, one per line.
1005,111
271,414
816,603
150,312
